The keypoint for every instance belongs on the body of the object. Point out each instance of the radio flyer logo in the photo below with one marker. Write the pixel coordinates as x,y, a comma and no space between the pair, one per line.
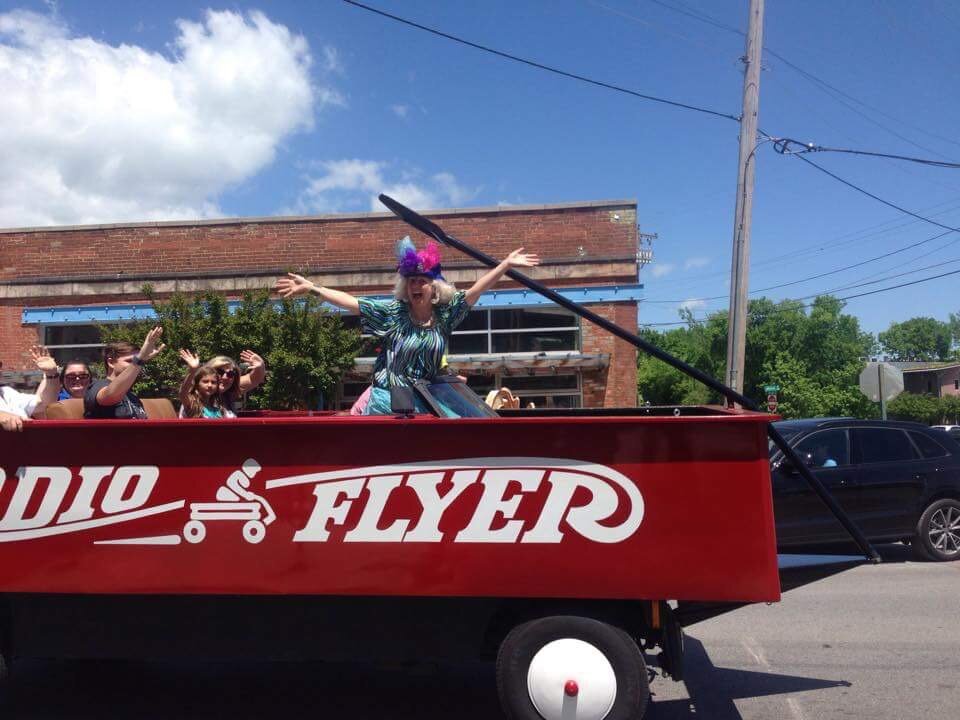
612,513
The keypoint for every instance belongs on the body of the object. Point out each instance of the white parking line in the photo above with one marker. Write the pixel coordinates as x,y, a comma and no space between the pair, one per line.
755,651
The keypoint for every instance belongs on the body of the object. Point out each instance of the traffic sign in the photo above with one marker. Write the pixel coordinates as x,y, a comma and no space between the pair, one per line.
881,382
772,389
772,402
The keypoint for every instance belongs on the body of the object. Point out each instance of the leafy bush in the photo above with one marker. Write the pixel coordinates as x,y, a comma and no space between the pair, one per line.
919,408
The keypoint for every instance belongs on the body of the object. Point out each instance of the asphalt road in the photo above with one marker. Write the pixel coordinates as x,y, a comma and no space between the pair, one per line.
878,642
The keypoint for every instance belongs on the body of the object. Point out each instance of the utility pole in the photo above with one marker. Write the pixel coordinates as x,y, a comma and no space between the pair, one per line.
740,264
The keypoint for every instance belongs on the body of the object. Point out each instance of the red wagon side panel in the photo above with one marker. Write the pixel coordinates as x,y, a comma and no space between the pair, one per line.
593,507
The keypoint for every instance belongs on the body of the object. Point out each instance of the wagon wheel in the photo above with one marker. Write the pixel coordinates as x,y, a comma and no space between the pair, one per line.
567,666
254,531
194,531
938,531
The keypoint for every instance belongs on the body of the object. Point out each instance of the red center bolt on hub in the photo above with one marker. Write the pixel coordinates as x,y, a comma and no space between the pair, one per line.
571,688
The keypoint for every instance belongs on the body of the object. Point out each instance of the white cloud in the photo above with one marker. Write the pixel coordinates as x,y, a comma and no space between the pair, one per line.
659,270
692,304
99,133
401,111
353,185
697,261
331,60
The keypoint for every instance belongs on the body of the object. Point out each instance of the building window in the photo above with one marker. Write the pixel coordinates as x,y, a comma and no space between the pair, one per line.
561,390
73,342
517,330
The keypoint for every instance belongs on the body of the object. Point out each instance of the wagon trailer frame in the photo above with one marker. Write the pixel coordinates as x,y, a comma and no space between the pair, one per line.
559,543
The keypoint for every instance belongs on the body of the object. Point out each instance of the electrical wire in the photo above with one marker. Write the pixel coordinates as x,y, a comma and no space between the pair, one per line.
783,146
541,66
871,195
822,84
805,306
818,275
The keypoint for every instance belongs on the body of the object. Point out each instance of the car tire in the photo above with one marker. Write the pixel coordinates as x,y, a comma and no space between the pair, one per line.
938,531
545,666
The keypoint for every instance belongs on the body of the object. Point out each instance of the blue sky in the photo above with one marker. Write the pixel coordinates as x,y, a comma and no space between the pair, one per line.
299,108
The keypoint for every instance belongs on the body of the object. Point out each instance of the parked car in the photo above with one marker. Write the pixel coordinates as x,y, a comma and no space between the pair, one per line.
952,430
897,480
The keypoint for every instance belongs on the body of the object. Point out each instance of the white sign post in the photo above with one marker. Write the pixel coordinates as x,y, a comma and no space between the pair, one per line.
881,382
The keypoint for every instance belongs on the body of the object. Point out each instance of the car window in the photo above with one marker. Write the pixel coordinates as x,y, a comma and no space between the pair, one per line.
827,448
873,445
929,447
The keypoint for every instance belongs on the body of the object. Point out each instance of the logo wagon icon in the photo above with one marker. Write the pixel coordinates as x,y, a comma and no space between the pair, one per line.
235,501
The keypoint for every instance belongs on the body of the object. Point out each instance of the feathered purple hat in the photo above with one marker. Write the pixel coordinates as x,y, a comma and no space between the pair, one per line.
411,261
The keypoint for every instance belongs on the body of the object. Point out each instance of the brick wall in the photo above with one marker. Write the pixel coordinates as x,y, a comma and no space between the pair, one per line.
616,386
323,242
565,237
15,339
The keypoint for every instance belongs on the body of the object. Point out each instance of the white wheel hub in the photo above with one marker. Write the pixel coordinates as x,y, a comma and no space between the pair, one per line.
570,679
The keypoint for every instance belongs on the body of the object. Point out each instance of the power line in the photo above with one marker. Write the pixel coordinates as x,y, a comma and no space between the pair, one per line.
822,247
805,306
541,66
879,280
875,197
822,84
634,93
782,146
685,106
819,275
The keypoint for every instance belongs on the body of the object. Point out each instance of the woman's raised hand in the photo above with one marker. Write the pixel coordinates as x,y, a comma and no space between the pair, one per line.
192,361
518,258
41,356
251,359
293,285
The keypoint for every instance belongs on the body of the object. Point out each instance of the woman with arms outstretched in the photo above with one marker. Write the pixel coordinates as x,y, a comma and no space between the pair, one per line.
415,327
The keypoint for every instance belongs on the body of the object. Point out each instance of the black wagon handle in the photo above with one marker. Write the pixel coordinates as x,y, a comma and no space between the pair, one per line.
428,227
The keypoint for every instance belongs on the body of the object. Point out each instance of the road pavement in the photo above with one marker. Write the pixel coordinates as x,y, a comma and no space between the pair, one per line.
878,642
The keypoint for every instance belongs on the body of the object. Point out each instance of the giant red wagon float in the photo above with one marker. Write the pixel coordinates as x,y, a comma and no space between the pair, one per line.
551,540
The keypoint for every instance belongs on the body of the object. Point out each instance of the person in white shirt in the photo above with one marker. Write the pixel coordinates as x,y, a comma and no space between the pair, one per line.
16,406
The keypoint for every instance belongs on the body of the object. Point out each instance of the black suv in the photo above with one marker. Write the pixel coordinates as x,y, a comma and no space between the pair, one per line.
897,480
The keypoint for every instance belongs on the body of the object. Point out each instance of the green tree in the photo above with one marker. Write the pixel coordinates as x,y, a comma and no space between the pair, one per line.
919,408
307,349
920,338
815,357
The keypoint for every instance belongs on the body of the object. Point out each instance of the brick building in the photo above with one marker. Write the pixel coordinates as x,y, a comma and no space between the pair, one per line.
58,283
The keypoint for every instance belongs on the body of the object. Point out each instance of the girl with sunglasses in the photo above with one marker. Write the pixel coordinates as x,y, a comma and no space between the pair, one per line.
233,385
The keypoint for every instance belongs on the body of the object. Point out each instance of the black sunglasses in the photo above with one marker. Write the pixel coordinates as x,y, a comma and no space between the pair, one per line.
226,373
77,376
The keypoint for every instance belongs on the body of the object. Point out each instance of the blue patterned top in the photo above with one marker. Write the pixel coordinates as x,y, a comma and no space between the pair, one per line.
409,352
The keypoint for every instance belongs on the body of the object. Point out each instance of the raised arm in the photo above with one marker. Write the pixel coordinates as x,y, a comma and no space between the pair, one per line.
49,386
193,363
293,285
517,258
120,384
257,374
